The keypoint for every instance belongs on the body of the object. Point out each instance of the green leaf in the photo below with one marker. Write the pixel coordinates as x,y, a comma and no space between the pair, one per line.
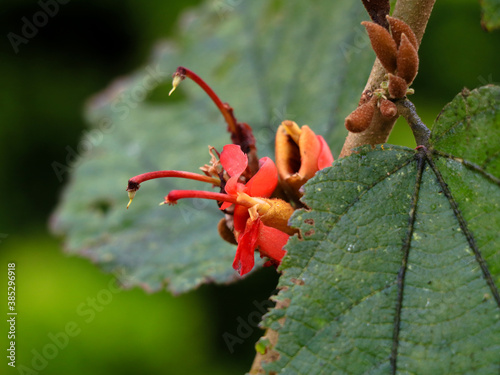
490,14
272,60
398,270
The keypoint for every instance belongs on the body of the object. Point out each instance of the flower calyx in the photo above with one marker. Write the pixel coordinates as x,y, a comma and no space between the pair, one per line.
300,153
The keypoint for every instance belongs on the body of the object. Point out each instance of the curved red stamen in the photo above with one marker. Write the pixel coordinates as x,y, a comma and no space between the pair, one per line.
134,182
175,195
223,107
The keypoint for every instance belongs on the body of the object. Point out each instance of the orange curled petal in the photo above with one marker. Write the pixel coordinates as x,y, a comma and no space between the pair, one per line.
310,148
287,154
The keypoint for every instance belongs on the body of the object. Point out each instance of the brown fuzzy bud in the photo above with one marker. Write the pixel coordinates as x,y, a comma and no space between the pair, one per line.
407,60
384,46
361,118
388,109
397,87
225,233
399,27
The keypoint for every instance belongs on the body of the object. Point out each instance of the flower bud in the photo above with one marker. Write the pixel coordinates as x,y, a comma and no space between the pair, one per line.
388,109
384,46
399,27
360,119
397,87
407,60
225,233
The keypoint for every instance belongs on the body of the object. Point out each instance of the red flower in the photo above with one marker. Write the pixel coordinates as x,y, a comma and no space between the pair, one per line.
259,222
249,230
255,220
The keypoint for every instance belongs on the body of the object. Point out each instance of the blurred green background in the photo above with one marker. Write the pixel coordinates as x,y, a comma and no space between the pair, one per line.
42,92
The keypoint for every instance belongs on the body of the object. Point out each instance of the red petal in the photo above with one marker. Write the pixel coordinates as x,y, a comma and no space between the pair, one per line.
233,160
225,205
325,158
244,259
264,182
233,186
241,216
271,242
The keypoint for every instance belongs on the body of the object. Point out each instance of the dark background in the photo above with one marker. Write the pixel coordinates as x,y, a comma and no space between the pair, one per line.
43,89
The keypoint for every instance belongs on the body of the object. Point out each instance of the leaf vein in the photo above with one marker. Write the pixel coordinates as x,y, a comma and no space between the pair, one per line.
469,165
402,272
465,229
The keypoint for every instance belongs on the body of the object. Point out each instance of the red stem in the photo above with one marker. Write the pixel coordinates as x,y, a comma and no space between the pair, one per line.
175,195
134,182
223,108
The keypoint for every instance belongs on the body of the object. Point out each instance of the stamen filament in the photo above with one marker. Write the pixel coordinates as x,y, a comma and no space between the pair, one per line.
134,181
175,195
223,107
241,199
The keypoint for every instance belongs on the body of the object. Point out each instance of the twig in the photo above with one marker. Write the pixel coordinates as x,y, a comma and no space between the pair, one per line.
420,131
415,13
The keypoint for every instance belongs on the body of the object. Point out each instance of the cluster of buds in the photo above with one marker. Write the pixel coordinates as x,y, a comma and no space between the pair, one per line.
254,217
397,52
